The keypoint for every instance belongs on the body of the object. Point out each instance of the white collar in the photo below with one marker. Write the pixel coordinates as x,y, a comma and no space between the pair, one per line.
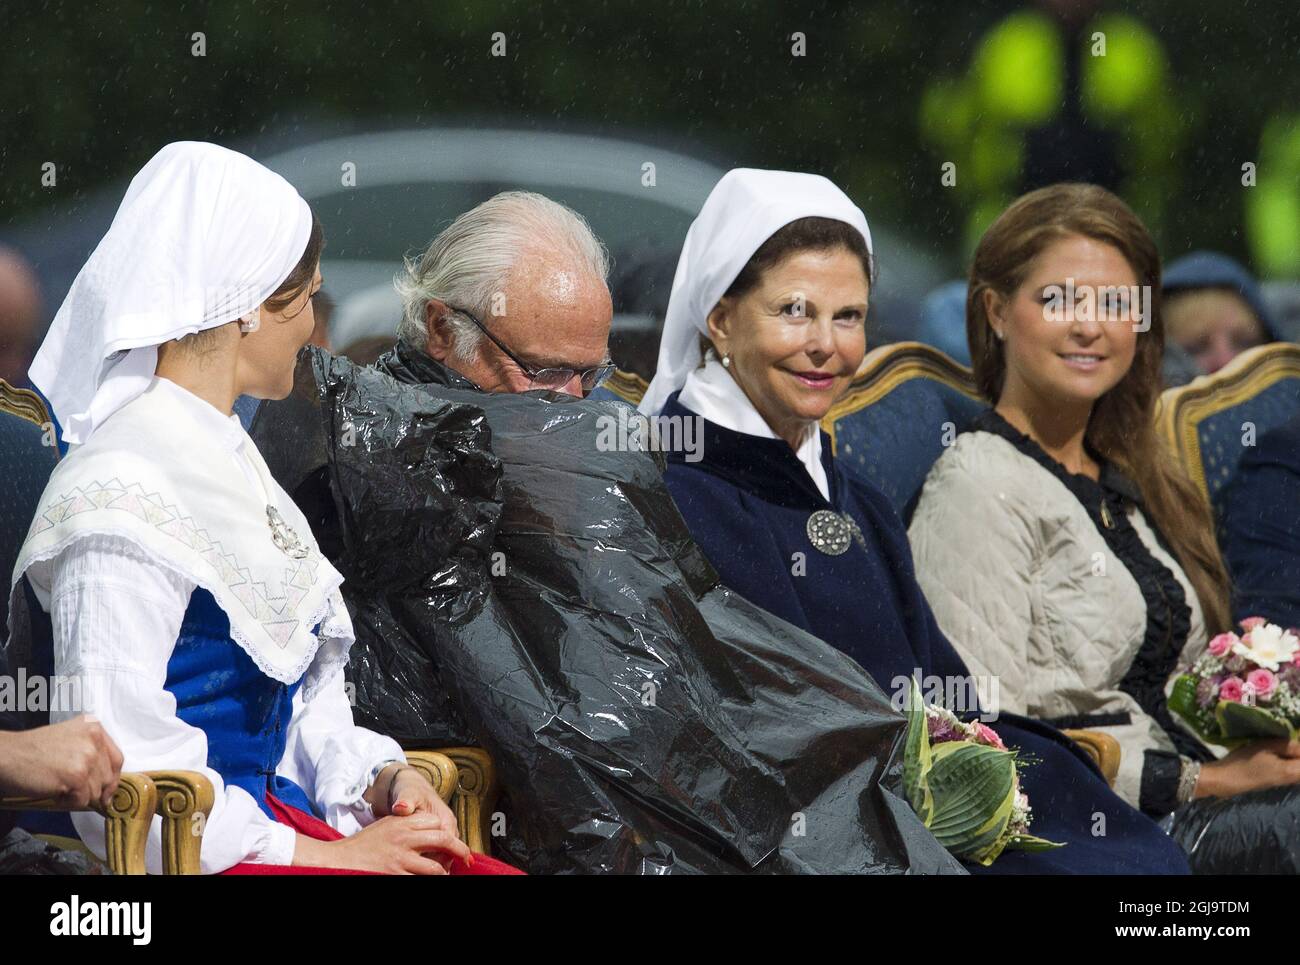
711,392
227,430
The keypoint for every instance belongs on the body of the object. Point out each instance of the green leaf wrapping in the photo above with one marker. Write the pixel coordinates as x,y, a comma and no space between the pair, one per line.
1031,842
972,787
1237,722
964,792
916,755
1183,702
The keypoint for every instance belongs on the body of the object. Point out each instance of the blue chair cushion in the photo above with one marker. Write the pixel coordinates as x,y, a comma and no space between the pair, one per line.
893,442
602,394
1223,435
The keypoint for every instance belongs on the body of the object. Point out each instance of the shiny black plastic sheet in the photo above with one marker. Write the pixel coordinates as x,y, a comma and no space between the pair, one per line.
22,854
517,588
1253,833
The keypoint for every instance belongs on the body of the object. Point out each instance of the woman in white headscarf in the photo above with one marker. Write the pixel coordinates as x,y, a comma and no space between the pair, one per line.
187,598
764,332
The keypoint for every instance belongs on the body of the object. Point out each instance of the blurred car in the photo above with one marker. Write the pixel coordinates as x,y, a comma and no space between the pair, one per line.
385,194
409,184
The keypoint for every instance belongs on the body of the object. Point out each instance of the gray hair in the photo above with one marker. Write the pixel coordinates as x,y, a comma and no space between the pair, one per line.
471,259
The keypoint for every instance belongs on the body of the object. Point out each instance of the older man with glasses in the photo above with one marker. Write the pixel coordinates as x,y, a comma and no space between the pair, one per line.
510,297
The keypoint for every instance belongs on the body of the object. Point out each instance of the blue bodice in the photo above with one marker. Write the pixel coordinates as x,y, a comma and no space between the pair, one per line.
244,713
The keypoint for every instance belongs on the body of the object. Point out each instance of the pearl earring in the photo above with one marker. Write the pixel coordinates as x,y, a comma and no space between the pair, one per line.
1002,336
726,361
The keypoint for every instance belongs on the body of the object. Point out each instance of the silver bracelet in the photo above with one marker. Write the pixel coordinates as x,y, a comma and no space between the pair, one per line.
1188,775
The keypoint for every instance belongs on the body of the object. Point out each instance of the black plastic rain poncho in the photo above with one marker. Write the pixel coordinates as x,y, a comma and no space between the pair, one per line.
517,588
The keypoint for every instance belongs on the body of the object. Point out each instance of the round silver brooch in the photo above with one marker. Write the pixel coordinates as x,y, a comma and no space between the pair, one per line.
830,532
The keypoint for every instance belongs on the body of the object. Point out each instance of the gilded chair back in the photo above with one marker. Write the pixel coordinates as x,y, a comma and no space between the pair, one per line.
27,457
622,387
1210,422
907,404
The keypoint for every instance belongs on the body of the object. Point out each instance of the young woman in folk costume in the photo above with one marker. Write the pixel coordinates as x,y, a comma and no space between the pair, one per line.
184,588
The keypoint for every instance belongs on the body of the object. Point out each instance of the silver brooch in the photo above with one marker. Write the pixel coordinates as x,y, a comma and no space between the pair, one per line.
282,534
831,532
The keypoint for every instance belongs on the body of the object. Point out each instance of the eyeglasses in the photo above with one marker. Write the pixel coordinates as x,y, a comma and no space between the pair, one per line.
551,379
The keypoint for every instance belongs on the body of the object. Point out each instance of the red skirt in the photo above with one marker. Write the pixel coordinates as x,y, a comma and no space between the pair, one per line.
314,827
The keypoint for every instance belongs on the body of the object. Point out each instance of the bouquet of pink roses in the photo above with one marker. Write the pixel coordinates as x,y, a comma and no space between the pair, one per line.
1242,688
964,784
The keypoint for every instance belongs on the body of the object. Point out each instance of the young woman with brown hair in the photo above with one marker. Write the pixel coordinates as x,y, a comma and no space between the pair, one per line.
1062,548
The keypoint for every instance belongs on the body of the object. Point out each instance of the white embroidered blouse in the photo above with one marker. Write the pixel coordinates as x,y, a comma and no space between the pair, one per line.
116,616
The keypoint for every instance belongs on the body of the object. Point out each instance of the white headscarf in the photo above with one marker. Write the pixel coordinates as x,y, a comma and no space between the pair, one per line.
742,211
203,237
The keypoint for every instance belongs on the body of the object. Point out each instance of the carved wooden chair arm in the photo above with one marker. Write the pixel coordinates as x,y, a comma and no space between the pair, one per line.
476,793
184,802
440,770
463,777
1101,747
126,819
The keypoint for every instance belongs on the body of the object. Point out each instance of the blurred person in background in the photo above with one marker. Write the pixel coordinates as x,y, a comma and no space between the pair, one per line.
20,316
1213,309
1060,90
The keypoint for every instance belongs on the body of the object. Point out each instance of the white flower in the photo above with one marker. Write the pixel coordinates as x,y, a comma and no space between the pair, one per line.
1269,646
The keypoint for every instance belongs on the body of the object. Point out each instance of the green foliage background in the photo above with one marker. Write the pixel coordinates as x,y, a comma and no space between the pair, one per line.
97,88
